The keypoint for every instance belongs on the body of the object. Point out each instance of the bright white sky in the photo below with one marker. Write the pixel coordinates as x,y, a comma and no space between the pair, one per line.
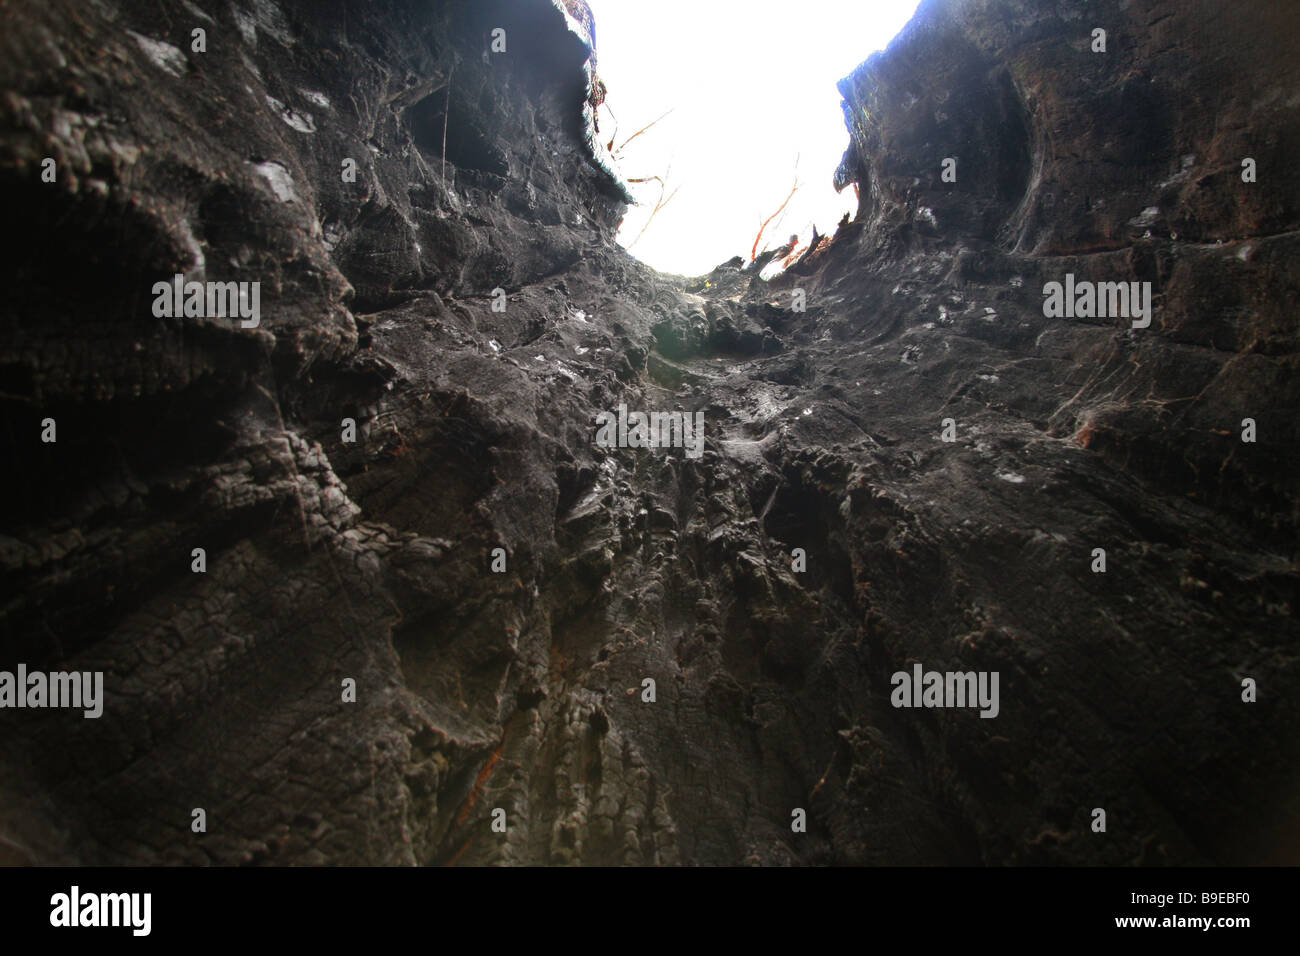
751,86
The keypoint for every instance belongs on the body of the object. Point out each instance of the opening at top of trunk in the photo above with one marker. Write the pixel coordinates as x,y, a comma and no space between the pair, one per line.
749,92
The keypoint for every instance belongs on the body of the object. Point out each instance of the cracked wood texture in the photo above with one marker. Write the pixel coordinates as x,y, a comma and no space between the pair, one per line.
521,691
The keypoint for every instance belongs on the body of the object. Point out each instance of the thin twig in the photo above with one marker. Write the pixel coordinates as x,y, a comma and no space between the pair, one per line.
759,238
615,152
663,186
610,147
446,114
